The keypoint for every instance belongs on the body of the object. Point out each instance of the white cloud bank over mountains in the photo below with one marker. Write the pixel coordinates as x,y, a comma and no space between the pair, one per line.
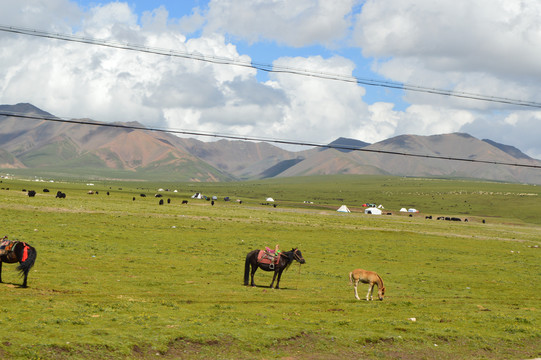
489,47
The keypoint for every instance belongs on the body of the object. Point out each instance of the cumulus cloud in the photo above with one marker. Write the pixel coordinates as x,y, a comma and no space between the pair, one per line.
295,23
78,80
320,109
490,47
487,47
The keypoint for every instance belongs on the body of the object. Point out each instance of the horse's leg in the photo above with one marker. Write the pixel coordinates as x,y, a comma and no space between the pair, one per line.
274,278
254,268
0,271
355,290
25,278
247,270
279,277
369,293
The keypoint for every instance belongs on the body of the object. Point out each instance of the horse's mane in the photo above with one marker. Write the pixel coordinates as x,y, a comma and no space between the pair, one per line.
290,258
380,279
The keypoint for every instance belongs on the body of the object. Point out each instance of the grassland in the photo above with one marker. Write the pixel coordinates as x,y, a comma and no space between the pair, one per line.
118,278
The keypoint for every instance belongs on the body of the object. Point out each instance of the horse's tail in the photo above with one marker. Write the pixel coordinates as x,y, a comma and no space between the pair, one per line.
31,254
351,278
247,268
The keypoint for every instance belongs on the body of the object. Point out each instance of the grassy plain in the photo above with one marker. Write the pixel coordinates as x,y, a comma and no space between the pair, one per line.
118,278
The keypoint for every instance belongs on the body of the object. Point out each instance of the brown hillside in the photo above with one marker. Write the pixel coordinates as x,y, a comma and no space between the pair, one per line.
42,143
449,145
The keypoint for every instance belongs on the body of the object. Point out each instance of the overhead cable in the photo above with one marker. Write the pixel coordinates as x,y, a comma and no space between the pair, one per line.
260,139
275,68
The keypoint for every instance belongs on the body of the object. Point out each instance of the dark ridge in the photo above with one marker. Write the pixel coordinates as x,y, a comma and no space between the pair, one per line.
465,135
279,168
348,143
511,150
24,108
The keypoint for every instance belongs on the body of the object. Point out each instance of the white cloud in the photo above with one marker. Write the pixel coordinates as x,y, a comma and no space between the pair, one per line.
78,80
295,23
487,47
57,15
465,35
481,46
319,109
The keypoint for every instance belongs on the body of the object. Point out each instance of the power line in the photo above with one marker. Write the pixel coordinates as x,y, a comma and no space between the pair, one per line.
269,68
259,139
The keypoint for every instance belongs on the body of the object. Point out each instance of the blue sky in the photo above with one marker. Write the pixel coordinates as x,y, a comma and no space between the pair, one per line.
487,47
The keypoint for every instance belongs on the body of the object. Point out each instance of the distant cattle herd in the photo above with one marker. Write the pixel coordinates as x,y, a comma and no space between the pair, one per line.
62,195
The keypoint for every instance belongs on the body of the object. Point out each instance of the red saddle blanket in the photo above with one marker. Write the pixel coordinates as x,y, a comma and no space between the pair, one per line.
266,258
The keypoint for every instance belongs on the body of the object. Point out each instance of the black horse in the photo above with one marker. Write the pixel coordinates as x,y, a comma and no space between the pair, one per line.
22,253
286,258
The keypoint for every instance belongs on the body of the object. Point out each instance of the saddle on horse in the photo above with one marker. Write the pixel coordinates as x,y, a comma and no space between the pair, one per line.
6,245
269,256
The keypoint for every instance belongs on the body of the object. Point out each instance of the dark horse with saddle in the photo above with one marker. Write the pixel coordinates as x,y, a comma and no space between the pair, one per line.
270,261
17,251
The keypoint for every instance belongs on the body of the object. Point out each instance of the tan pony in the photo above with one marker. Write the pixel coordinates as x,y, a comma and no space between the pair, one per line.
367,277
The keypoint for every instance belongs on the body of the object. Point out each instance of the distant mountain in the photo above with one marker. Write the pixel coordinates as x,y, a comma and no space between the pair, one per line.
240,159
373,160
85,150
92,150
24,108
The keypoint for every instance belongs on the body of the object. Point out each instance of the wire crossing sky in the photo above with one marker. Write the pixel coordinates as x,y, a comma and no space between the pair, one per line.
268,67
269,140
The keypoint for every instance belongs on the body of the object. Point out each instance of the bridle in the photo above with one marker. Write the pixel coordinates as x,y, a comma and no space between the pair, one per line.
296,256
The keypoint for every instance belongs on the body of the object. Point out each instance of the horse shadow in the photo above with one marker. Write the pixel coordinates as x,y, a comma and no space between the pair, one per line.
268,287
13,285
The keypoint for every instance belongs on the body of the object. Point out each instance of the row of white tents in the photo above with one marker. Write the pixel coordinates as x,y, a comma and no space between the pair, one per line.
343,208
374,210
370,210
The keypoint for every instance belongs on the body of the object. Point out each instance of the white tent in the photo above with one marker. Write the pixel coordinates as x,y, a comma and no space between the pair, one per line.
197,196
403,210
270,199
413,210
373,211
343,208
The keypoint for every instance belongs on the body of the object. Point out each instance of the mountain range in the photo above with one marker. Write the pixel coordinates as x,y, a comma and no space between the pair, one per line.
44,145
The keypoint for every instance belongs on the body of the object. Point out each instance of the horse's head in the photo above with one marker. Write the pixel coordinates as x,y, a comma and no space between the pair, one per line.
381,293
297,255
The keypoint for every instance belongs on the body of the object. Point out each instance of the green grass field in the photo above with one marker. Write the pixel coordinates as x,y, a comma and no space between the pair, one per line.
118,278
